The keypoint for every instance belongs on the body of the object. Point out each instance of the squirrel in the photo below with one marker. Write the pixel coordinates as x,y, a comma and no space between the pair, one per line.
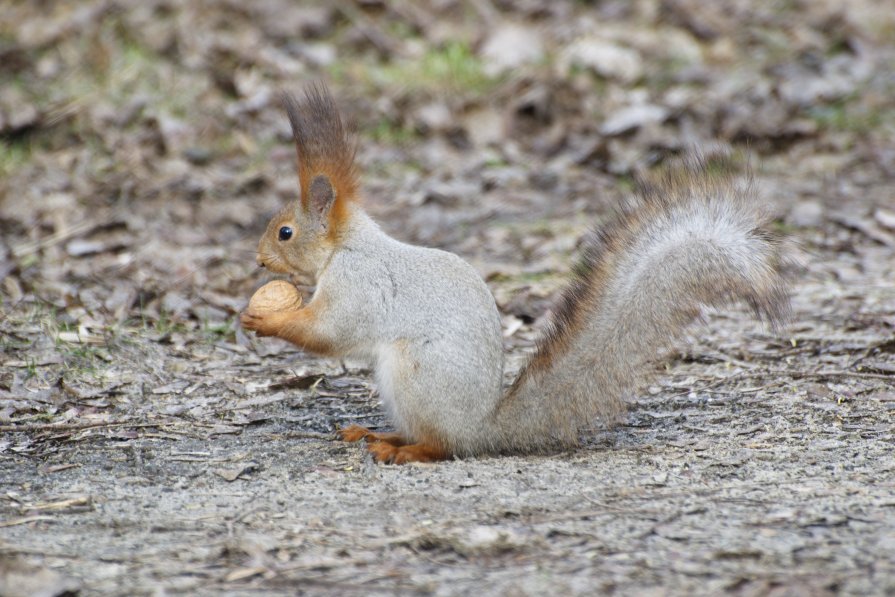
430,325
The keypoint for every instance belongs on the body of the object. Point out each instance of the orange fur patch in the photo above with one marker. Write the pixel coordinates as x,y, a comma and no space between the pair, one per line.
300,329
387,453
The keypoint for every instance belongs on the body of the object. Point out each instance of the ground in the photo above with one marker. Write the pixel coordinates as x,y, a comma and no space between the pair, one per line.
149,446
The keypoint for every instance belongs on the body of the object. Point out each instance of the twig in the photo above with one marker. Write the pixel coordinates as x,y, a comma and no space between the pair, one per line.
25,520
79,501
309,435
9,550
54,239
834,373
72,426
798,375
58,467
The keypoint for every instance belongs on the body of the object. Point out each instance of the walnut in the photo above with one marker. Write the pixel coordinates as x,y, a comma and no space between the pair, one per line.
278,295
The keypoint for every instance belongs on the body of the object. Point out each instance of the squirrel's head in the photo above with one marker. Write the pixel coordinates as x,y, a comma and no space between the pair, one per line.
300,239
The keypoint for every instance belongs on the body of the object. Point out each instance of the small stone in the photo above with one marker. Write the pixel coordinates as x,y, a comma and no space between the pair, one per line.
885,217
435,117
16,111
633,117
197,155
319,54
806,214
80,247
484,126
605,58
510,46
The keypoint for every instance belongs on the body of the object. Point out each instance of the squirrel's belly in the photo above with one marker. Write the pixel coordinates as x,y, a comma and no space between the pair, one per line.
387,372
431,400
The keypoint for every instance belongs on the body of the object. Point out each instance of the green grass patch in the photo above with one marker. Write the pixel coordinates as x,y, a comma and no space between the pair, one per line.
452,68
212,332
83,360
847,114
389,132
526,277
14,154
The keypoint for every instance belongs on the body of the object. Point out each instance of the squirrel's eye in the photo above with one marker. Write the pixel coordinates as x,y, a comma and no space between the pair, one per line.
285,233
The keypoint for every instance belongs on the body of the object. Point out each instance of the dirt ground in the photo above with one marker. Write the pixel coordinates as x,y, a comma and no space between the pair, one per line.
148,446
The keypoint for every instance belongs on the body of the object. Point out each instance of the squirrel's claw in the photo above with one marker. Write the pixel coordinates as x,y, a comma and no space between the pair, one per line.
258,323
353,433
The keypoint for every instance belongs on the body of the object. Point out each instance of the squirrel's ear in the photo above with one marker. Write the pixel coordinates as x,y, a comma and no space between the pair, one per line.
321,197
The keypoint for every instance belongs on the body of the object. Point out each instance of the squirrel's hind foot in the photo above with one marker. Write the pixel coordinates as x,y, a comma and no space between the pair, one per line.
391,454
355,433
392,448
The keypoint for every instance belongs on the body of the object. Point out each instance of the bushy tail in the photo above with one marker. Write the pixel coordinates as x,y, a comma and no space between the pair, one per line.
695,239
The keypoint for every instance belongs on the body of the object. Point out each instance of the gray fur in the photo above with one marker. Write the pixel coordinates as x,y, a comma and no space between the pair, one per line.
428,322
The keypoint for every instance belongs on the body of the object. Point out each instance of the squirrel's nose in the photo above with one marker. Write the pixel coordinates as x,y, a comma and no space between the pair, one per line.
259,261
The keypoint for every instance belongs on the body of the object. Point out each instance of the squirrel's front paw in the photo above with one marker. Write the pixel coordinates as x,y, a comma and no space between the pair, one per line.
262,323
